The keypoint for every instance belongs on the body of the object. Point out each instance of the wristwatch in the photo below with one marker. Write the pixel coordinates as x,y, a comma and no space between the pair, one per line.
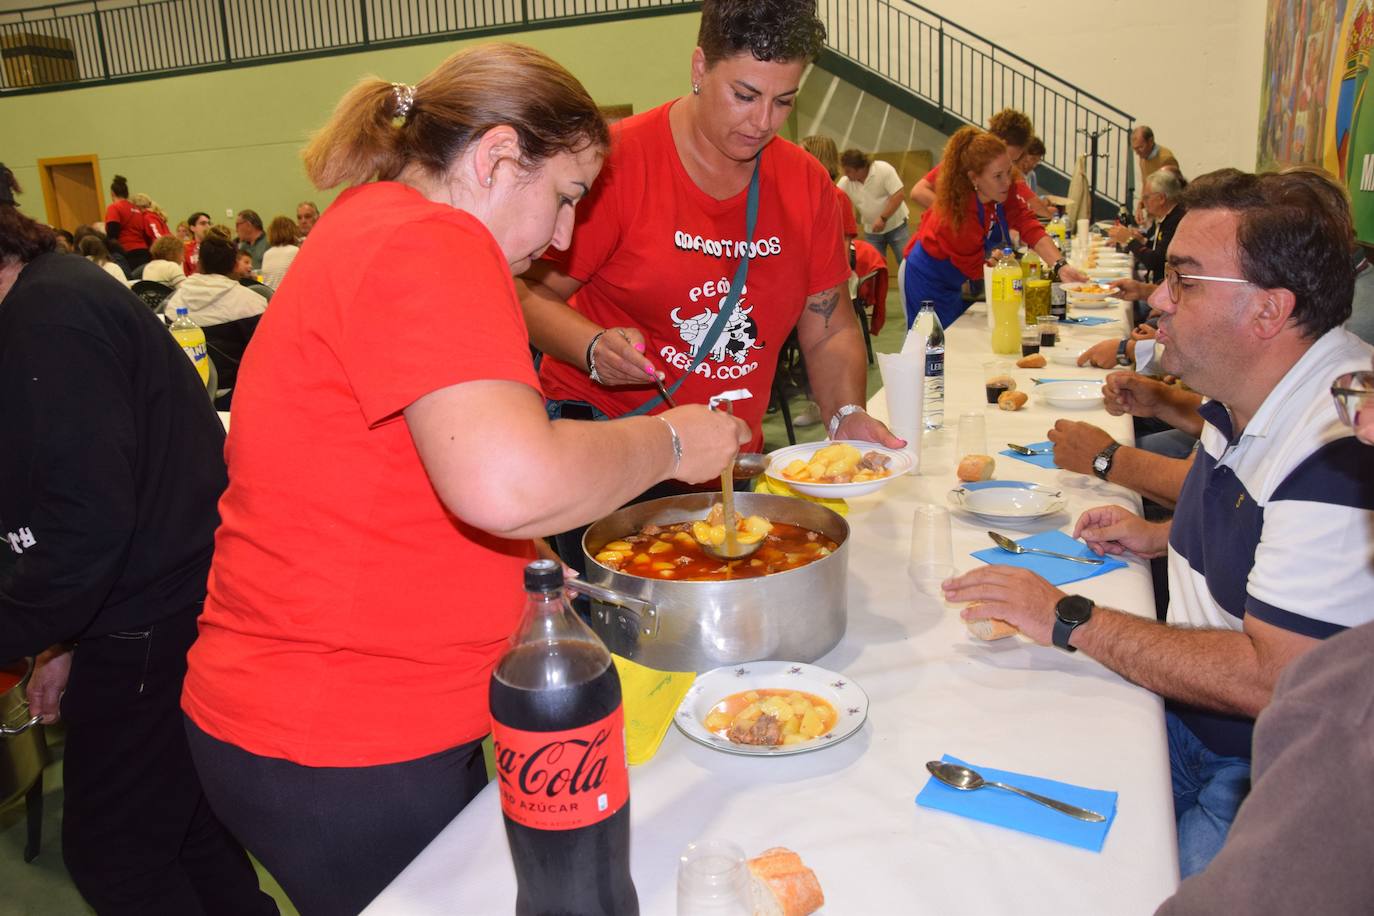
1070,613
1102,464
839,415
1121,358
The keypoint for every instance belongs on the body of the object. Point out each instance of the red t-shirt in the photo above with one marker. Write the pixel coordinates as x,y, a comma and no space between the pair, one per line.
190,262
130,219
848,224
351,619
154,227
657,253
965,249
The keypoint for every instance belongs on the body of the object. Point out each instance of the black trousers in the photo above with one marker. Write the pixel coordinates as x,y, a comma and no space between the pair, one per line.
138,835
334,837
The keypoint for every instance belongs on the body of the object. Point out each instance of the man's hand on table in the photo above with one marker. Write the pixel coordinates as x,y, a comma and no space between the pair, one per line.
1101,354
860,427
620,358
1018,596
1114,530
1076,444
1134,394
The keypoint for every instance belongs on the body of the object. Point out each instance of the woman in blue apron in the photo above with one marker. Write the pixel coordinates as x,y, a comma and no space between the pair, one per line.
973,214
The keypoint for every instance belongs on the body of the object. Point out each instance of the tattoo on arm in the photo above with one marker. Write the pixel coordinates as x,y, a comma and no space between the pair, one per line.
824,304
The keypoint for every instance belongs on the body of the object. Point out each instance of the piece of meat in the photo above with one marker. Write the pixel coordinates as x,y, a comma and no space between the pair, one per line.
875,461
765,731
650,530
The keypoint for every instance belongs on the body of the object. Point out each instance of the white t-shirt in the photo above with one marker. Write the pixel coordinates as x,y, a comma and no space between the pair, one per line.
872,195
160,271
275,261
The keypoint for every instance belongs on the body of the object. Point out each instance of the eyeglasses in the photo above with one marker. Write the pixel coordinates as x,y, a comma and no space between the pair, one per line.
1352,393
1173,280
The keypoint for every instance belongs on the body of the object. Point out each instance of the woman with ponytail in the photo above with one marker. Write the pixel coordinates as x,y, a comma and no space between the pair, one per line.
972,203
125,224
392,462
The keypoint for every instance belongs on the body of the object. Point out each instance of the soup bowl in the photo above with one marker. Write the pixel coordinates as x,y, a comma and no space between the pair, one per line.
797,614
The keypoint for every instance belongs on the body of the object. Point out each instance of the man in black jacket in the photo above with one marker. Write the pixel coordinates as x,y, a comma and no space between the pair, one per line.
111,463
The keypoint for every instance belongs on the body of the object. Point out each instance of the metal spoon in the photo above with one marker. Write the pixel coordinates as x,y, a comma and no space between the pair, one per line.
749,465
1023,450
1011,546
731,549
966,780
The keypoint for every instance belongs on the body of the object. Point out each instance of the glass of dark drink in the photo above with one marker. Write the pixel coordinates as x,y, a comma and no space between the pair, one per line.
996,379
1048,327
1030,340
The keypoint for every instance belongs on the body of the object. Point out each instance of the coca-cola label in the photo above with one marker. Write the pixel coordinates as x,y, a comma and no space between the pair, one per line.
562,780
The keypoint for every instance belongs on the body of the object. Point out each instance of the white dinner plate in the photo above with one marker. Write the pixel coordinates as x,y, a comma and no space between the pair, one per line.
899,464
848,698
1007,500
1063,356
1104,303
1087,393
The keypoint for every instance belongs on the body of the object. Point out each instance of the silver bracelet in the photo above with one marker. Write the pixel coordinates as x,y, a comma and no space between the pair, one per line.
839,415
677,442
591,358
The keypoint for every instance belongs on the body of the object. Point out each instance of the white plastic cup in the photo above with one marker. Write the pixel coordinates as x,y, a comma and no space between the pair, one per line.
713,880
932,551
973,435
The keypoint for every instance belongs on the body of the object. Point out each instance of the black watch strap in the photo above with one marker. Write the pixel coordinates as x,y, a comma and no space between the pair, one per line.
1102,464
1062,632
1070,613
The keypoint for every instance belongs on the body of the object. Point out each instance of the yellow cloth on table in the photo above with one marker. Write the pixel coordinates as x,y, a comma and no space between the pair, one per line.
778,488
651,699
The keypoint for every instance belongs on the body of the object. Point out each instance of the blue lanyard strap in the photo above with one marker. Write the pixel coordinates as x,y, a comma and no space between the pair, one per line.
727,308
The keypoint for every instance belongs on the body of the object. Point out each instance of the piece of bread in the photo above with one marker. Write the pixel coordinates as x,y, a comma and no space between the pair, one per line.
1034,361
976,467
1012,400
991,628
781,885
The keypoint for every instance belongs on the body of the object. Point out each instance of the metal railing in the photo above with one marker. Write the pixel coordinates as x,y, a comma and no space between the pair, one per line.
967,78
102,41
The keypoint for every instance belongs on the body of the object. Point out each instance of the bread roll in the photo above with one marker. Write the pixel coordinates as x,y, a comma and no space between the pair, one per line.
1034,361
991,628
781,885
1012,400
976,467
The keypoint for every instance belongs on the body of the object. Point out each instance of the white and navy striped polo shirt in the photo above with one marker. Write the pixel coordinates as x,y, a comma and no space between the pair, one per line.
1278,523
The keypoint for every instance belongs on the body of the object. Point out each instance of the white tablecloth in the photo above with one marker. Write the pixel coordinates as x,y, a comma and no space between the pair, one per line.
849,809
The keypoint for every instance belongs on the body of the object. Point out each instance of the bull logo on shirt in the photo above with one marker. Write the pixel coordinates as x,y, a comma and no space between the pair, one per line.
734,343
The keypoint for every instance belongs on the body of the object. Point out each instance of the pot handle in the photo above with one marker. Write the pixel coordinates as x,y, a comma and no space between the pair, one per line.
646,611
8,731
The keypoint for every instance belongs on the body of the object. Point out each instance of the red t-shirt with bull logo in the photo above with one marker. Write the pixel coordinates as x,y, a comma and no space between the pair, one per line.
655,252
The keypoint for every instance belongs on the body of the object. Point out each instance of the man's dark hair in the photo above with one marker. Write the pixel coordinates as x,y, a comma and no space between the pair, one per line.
191,220
855,159
251,217
770,30
1146,133
217,255
1036,147
1294,232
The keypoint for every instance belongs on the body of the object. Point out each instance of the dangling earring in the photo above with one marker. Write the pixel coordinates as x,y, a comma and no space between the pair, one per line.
696,89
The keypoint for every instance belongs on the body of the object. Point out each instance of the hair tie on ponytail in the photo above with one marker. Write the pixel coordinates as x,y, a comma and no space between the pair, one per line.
405,99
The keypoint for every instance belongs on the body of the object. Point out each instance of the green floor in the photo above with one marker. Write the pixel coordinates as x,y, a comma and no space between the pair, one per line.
42,888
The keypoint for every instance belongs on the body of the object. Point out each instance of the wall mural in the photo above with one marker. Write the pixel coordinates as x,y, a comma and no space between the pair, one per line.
1313,105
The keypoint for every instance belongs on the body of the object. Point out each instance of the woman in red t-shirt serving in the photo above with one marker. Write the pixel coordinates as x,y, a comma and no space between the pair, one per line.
124,224
972,201
390,460
649,274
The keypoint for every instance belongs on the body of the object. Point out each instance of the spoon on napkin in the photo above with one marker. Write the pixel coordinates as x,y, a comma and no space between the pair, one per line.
966,780
1011,546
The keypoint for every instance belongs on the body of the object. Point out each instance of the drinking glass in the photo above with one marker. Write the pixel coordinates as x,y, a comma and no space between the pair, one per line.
996,378
712,880
932,553
1030,340
973,435
1048,326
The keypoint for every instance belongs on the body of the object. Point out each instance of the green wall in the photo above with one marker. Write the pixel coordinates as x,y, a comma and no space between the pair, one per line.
231,139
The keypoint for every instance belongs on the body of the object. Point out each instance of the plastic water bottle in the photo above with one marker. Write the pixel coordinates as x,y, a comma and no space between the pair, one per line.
192,340
928,326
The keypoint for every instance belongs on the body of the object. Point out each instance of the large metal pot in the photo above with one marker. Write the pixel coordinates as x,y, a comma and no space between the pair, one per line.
797,615
22,751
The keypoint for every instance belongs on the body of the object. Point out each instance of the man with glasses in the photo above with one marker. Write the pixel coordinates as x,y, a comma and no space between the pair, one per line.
252,238
1268,549
1301,841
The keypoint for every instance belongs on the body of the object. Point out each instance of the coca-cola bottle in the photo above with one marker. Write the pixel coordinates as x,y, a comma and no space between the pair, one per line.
559,734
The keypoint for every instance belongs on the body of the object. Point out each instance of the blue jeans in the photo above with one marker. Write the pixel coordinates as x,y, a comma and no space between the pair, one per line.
1208,790
1171,443
895,239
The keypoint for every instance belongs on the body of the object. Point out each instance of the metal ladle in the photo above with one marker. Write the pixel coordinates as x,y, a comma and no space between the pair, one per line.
731,549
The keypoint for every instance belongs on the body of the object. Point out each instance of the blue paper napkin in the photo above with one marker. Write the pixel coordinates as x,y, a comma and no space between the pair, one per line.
1007,809
1088,321
1053,569
1041,461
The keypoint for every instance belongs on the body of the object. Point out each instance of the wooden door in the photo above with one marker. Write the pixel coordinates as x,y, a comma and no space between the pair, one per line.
72,191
